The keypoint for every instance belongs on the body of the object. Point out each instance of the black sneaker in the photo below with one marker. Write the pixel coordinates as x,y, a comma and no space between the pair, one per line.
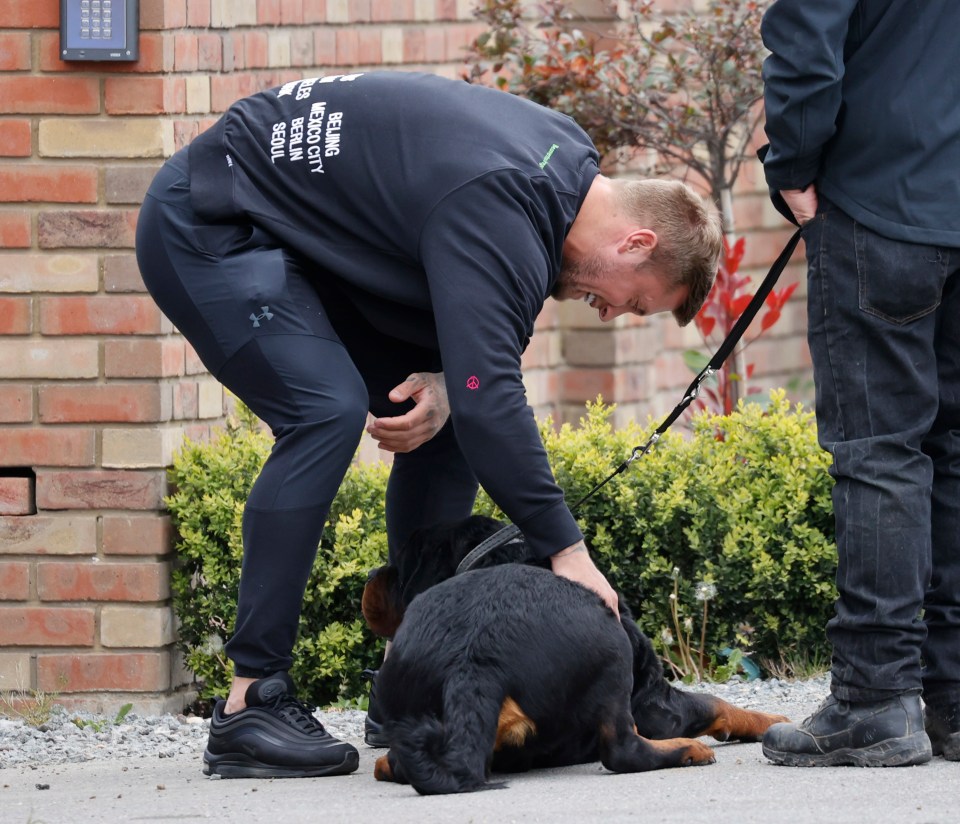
943,726
276,736
886,733
373,735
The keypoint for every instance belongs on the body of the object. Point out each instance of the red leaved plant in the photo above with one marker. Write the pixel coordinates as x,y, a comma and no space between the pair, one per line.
723,307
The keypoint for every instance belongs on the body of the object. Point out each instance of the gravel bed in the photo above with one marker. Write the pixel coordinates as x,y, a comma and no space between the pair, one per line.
78,736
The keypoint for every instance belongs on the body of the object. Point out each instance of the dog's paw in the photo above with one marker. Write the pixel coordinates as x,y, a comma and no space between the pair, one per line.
697,754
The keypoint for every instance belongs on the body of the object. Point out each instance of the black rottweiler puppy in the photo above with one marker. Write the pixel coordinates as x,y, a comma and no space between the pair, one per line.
509,667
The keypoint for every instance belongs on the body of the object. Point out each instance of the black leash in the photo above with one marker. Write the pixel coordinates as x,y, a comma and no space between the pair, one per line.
511,532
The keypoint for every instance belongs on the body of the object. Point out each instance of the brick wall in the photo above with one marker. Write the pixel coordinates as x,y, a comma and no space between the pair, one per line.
97,390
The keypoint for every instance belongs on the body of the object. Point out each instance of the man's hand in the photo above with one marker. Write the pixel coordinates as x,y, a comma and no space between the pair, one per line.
575,563
802,202
405,433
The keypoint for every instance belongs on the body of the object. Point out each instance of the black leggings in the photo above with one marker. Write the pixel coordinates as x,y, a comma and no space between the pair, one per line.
311,368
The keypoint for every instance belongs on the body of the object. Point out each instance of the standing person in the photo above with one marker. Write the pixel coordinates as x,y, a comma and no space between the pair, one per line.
384,242
863,120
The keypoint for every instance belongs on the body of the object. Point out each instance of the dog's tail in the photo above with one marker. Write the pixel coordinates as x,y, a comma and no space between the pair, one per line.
451,755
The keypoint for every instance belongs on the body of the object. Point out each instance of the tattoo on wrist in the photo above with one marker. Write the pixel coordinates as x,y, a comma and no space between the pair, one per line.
563,553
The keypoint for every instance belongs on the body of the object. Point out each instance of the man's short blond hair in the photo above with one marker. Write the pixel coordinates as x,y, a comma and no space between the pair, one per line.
689,236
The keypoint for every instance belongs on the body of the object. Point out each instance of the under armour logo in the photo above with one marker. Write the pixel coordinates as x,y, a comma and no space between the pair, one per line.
266,314
473,382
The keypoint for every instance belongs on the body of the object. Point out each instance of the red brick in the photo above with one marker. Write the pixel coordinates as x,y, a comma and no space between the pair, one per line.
414,45
16,14
16,496
268,12
314,11
186,52
586,384
15,138
14,580
46,627
67,229
143,358
137,535
121,272
291,12
301,47
15,231
16,316
100,672
209,53
49,95
14,52
74,534
383,11
113,315
186,401
69,581
198,13
16,403
165,14
446,9
127,184
101,489
358,11
256,47
369,47
145,95
348,47
43,183
21,446
325,46
82,403
227,89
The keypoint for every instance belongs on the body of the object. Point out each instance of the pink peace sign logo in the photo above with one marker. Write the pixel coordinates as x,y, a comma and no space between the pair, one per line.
473,382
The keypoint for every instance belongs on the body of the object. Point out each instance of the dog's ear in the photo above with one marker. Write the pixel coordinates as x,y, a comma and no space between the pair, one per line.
382,604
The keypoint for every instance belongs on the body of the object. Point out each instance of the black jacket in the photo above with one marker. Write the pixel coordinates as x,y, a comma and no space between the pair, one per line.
863,99
443,208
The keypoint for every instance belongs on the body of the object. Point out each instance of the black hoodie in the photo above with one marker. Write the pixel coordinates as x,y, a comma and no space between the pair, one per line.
442,209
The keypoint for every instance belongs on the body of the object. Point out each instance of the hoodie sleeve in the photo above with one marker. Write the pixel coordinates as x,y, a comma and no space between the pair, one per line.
487,252
803,78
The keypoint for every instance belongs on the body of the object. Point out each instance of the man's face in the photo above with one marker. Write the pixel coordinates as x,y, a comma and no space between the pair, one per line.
614,287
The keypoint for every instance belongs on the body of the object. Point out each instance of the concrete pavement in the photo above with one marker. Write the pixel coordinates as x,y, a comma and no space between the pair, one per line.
741,788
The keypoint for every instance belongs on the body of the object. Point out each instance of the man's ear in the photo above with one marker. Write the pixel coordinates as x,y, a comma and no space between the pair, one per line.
642,241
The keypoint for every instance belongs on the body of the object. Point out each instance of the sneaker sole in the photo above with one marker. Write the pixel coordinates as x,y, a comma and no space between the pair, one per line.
896,752
236,765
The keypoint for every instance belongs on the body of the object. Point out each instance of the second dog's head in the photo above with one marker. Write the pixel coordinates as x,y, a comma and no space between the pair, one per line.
431,555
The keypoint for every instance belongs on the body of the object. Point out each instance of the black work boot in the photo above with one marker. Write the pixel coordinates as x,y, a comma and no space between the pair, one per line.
373,735
275,736
943,726
887,733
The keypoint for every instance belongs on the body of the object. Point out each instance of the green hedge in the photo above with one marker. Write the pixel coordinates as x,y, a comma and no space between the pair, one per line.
742,504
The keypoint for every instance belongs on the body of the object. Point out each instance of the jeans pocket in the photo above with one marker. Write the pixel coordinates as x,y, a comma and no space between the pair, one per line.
898,281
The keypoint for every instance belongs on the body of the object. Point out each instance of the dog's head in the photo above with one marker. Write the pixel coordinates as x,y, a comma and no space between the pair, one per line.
431,555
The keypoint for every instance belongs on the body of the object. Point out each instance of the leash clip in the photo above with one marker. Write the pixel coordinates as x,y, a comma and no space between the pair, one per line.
640,451
694,392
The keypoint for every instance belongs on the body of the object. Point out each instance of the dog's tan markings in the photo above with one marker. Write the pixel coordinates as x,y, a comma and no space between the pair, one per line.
381,769
380,605
731,722
689,752
513,726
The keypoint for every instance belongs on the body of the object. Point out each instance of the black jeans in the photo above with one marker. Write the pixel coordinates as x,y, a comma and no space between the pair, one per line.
294,349
884,334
